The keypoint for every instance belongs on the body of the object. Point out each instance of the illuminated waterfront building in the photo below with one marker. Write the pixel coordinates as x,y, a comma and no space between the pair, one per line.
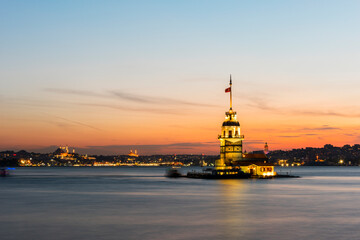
231,149
230,139
64,153
133,154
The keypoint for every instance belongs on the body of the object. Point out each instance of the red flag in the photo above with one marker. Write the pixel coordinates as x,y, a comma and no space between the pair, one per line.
228,89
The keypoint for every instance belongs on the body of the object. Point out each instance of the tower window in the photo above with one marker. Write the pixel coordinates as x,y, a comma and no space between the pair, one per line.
230,133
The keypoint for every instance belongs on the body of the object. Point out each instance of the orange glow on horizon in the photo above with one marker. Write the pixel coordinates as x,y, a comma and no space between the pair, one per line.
279,132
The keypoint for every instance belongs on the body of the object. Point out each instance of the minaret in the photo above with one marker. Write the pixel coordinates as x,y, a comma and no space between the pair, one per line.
230,138
266,148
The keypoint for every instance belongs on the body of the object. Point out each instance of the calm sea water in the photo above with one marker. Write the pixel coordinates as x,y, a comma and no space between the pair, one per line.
140,203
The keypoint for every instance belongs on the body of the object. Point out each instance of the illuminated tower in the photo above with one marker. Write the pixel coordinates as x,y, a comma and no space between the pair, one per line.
230,138
266,148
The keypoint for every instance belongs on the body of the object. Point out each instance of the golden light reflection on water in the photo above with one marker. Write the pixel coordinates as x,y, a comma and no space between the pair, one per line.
232,207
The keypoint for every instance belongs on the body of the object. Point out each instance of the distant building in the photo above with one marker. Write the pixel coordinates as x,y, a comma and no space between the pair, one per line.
319,160
266,148
283,162
64,153
133,154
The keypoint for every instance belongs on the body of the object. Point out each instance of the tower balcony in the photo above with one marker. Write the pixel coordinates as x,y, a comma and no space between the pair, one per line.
235,136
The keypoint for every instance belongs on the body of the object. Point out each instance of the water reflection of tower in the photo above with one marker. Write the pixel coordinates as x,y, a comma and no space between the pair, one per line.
233,194
230,138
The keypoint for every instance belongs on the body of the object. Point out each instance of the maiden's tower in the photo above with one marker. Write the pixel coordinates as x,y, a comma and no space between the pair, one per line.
231,149
233,163
232,159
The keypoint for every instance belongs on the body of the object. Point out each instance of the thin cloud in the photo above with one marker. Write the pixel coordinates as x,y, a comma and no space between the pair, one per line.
75,92
78,123
34,103
254,141
131,97
155,100
73,122
61,105
264,105
323,128
117,107
193,144
261,104
327,113
136,98
289,136
58,124
298,136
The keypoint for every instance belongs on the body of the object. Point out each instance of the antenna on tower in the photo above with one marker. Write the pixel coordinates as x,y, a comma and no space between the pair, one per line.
230,93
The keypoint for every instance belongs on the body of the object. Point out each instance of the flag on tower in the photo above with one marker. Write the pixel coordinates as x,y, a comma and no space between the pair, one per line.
228,89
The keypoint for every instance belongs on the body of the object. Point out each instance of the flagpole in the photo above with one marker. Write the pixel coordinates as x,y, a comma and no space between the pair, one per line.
230,94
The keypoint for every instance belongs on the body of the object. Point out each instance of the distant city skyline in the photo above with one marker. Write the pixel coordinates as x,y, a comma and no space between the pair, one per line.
150,75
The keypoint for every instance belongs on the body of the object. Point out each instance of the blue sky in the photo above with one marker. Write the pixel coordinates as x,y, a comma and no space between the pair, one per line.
284,56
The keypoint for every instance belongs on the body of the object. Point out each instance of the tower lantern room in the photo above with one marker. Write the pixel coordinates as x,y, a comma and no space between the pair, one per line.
230,137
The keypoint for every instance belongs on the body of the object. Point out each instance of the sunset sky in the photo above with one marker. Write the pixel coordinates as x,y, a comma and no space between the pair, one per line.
110,76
